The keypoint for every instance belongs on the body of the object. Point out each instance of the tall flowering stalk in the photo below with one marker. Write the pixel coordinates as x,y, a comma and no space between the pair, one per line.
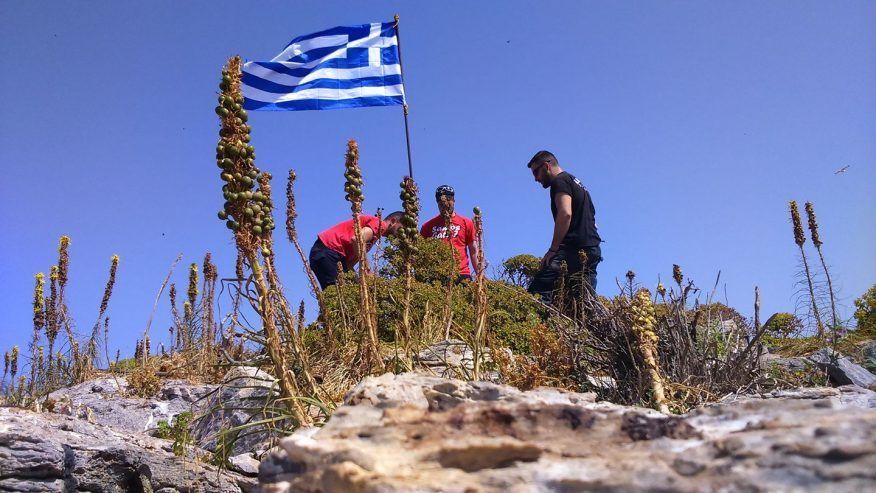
292,234
353,187
6,358
91,353
208,325
52,327
39,322
189,307
247,213
61,308
643,325
816,240
444,208
407,243
481,306
800,239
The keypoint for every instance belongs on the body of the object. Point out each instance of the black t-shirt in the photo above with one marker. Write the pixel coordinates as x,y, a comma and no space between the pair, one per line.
582,229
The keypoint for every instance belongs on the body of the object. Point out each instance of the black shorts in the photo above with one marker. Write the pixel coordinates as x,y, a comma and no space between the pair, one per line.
324,263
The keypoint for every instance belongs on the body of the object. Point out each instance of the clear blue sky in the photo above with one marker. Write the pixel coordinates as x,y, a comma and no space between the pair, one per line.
692,124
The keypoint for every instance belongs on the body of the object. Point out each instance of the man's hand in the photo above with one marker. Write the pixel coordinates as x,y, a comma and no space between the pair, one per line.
546,260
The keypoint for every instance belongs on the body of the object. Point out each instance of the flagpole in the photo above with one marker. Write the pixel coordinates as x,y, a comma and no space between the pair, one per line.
407,130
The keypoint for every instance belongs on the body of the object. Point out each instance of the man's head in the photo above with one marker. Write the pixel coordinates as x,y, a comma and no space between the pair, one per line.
393,223
444,195
544,167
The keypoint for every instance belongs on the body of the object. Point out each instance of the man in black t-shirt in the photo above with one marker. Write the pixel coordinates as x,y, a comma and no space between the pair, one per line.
574,227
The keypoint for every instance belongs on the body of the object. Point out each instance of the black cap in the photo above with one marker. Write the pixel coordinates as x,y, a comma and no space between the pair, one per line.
444,190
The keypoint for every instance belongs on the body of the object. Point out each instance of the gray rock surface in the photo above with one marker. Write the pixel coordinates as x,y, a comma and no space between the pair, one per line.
868,355
99,401
235,403
410,432
44,452
451,358
841,369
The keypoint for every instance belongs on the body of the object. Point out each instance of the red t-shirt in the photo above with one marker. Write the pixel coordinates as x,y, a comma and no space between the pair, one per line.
462,235
340,236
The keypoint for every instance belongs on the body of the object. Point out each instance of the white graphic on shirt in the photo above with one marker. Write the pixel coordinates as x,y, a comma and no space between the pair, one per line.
441,231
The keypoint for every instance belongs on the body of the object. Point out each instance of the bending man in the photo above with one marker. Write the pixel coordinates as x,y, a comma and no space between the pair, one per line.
338,244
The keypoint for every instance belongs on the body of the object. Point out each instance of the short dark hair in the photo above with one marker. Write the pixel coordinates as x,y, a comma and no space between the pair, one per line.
393,215
542,156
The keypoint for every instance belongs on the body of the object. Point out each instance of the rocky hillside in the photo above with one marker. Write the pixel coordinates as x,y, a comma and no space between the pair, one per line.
414,432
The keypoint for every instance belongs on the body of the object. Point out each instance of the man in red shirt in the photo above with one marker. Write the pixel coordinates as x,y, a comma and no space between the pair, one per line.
338,244
461,235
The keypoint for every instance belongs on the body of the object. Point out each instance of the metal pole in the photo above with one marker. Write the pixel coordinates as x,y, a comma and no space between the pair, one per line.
407,130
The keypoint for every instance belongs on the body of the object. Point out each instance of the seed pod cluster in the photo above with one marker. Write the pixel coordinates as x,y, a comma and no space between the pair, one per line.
676,274
247,209
799,237
408,233
353,175
813,224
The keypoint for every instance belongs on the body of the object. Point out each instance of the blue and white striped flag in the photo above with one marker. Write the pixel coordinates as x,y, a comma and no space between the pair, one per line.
341,67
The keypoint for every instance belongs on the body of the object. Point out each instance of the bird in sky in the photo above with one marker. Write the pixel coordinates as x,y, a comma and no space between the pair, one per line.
842,170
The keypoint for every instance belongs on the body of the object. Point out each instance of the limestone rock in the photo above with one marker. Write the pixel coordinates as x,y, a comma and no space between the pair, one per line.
44,452
868,355
451,358
410,432
99,401
841,369
235,403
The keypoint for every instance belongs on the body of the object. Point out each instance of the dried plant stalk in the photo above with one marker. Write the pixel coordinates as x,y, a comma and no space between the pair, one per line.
800,239
816,240
481,306
368,314
292,234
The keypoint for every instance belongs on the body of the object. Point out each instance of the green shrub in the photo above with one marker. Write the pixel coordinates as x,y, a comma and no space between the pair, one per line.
435,261
865,312
782,325
520,269
512,315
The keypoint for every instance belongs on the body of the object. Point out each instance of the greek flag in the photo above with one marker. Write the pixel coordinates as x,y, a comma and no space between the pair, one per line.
341,67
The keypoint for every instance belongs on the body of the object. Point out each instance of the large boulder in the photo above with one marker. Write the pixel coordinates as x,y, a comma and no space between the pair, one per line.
44,452
410,432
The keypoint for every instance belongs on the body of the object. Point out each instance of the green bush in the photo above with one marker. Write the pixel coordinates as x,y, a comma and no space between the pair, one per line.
435,261
783,325
512,314
520,269
865,312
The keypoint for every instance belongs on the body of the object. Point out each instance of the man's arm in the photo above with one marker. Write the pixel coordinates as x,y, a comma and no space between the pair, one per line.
368,238
563,201
473,255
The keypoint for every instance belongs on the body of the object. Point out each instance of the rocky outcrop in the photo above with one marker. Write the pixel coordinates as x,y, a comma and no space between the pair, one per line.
44,452
416,433
237,401
450,358
99,401
234,404
841,369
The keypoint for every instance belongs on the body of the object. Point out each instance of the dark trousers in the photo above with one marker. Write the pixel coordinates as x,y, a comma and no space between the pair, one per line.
544,282
324,264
